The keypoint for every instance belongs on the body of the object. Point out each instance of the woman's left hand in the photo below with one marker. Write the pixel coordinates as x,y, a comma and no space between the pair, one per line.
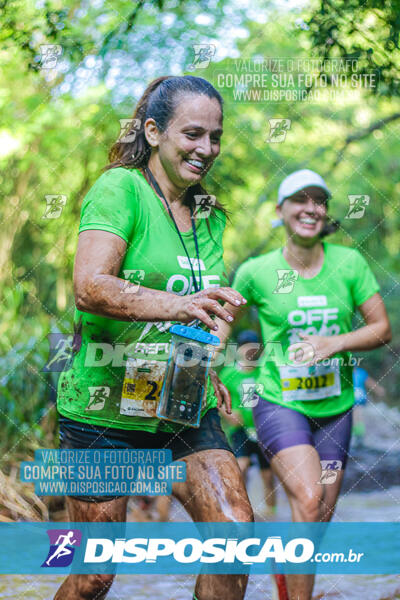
222,393
315,348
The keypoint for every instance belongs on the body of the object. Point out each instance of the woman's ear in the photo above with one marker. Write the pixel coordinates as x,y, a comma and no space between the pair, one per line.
279,221
151,133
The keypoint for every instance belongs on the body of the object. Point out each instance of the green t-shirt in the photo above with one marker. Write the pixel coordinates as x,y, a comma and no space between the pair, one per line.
122,202
324,305
241,385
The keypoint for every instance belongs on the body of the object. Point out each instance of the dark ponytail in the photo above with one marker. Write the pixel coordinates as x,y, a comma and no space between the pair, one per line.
331,226
135,153
159,102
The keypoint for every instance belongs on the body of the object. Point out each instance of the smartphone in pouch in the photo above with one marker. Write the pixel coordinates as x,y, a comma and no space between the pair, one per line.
187,385
186,377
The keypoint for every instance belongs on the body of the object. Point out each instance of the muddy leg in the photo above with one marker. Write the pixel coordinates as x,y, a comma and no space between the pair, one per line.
214,492
90,587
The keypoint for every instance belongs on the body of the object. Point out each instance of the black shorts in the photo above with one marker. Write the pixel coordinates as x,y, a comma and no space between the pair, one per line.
209,436
243,446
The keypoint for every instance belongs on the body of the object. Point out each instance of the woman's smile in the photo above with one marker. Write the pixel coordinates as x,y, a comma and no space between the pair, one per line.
308,223
195,165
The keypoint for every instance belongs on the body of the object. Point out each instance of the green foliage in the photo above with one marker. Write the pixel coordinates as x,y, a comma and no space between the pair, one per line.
366,31
24,397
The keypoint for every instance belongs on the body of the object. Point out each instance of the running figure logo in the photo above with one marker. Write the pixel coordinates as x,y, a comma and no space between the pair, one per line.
249,391
61,349
133,279
98,397
62,547
129,129
330,470
358,204
54,205
286,280
50,53
203,54
203,205
278,129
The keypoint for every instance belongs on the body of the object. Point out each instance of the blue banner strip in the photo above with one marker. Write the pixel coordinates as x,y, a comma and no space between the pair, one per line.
256,548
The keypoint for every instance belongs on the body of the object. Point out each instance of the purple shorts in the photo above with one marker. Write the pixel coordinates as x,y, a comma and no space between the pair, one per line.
279,427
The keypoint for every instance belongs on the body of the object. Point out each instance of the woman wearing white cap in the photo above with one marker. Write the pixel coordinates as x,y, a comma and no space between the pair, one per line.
306,294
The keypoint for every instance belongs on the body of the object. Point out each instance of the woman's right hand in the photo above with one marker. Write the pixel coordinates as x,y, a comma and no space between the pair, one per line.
205,303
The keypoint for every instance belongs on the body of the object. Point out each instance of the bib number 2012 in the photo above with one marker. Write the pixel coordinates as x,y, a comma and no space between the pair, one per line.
312,383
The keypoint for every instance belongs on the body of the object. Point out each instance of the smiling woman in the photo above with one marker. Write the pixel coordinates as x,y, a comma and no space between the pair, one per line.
306,295
143,261
190,140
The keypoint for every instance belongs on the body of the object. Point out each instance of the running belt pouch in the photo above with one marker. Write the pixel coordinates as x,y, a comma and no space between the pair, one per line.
186,375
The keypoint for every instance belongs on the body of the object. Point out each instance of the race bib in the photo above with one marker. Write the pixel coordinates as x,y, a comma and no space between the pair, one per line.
310,383
142,387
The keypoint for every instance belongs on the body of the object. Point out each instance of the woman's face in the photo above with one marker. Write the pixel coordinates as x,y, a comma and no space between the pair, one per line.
304,214
191,142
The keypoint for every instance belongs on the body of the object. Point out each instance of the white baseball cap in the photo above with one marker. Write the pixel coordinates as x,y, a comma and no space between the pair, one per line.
298,181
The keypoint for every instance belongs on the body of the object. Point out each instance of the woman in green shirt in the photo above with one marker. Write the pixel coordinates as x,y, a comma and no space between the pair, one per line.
143,261
306,295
